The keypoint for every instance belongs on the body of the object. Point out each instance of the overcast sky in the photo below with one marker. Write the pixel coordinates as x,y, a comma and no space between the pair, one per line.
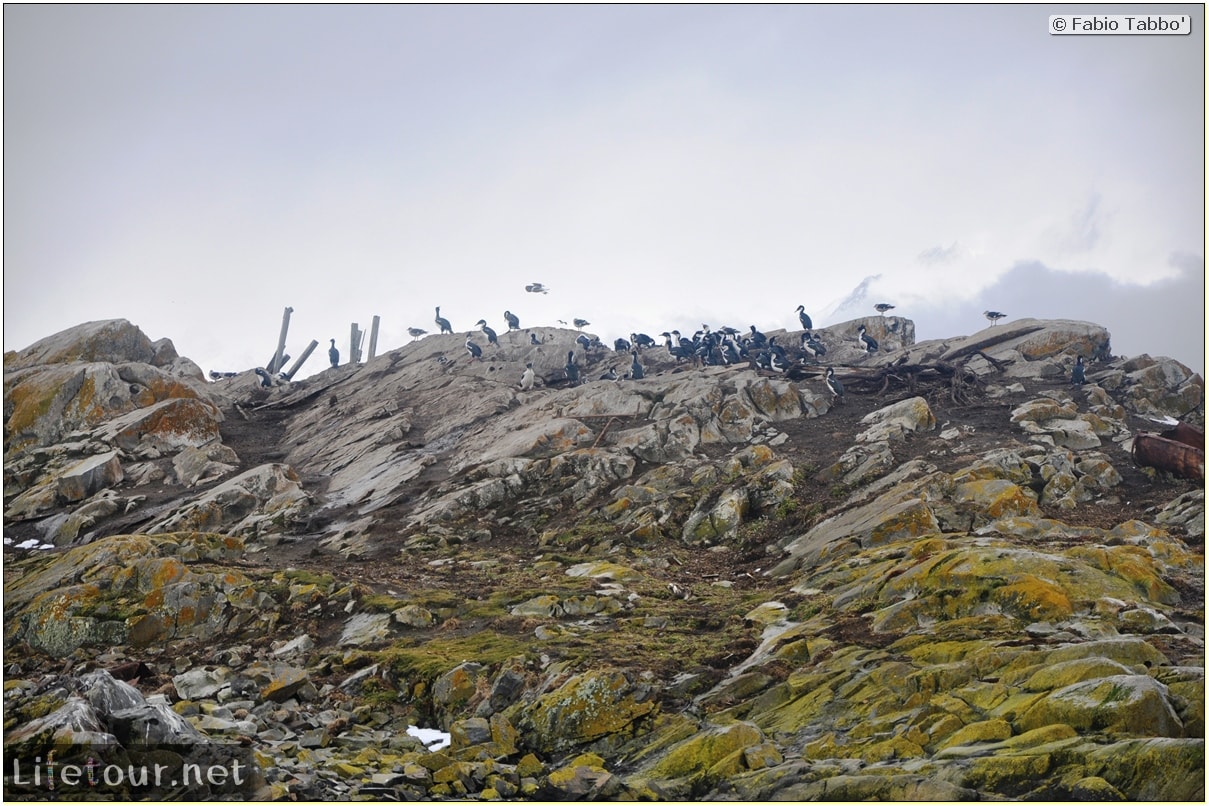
195,169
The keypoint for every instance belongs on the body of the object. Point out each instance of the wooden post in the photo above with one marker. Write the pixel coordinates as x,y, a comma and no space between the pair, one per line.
278,361
373,337
354,344
305,355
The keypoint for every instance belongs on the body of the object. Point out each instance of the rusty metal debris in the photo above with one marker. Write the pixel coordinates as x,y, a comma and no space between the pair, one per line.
1179,451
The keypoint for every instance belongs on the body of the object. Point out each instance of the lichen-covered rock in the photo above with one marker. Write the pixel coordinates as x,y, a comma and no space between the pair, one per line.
1123,705
587,707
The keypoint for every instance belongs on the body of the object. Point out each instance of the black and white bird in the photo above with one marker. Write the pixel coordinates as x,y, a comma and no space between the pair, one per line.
642,340
882,307
865,341
442,322
533,339
580,324
536,288
804,318
994,316
491,339
416,332
758,339
812,345
777,361
1078,373
583,341
571,368
333,354
621,345
609,375
675,348
476,352
834,386
637,373
514,321
265,378
527,377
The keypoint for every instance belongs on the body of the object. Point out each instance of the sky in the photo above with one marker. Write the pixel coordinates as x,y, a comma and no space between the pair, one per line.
196,169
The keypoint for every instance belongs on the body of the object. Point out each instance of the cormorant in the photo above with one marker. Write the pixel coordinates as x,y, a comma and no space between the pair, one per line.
475,351
1078,373
491,339
442,322
514,321
804,318
527,378
636,371
834,386
866,342
571,368
333,354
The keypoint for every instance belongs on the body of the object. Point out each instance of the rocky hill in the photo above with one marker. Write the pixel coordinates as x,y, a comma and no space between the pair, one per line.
716,582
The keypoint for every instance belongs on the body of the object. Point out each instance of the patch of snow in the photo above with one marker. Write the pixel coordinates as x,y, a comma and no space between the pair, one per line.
432,739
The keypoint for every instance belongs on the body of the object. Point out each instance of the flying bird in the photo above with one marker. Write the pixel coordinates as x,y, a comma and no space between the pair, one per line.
882,307
416,332
1078,375
333,354
994,316
514,322
442,322
804,318
536,288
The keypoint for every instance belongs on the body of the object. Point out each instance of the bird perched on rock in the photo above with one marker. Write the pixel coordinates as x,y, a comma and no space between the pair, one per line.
416,333
527,377
621,345
571,368
491,339
882,307
609,375
514,321
834,386
476,352
642,340
865,341
804,318
442,322
1078,375
994,316
637,373
580,324
812,345
533,339
536,288
333,354
265,378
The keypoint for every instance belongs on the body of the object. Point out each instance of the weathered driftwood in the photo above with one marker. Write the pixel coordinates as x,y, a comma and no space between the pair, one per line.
962,383
1180,451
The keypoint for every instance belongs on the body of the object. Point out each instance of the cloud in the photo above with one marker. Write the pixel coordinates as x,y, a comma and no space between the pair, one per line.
939,254
1166,317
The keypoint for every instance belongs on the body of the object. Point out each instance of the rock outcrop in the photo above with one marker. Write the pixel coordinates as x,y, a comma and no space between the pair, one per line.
717,582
